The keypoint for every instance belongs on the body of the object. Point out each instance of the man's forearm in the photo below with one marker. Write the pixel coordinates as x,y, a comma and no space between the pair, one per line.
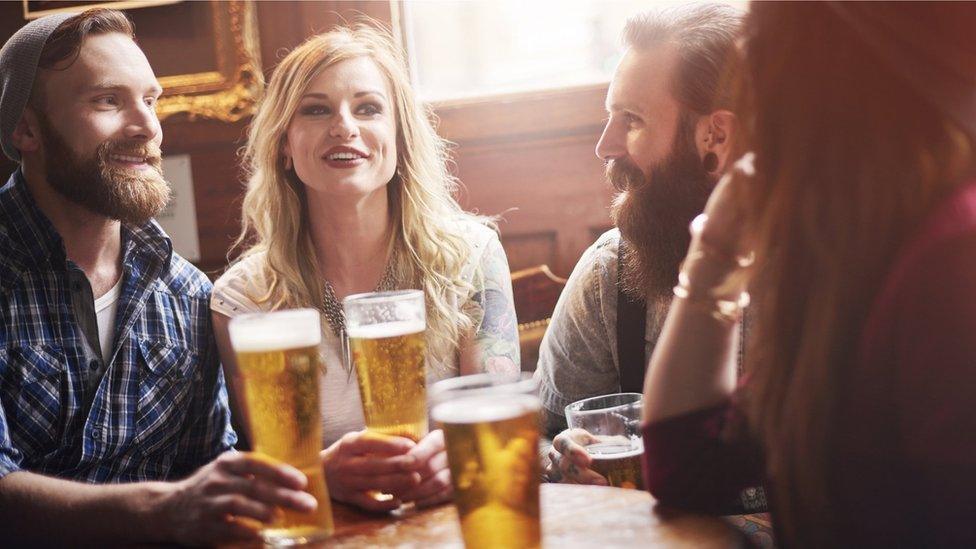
35,509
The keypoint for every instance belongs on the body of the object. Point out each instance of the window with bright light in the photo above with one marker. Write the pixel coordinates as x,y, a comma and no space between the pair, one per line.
482,47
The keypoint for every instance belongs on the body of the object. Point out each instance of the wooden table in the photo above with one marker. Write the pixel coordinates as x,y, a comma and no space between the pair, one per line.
572,516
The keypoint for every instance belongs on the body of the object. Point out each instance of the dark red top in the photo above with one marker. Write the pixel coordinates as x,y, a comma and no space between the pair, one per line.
905,446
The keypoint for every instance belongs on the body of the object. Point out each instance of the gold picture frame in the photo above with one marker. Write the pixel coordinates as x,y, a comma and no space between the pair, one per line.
231,91
227,91
34,9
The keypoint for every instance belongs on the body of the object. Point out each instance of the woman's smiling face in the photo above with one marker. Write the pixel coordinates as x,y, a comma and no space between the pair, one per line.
342,138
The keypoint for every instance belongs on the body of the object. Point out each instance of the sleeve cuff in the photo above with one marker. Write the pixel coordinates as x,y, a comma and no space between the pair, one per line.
8,465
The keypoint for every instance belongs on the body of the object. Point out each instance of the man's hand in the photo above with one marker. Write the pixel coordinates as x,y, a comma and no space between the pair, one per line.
364,462
202,509
569,462
435,485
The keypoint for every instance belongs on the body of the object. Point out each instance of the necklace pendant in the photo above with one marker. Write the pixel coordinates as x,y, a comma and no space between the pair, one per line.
345,351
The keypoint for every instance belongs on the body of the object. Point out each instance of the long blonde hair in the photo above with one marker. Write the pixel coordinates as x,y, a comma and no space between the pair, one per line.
430,249
849,160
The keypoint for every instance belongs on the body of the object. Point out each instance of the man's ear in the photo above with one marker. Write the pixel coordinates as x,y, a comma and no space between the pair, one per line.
714,135
26,136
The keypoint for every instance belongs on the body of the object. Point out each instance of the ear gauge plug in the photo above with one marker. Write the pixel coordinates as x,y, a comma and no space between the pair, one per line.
710,161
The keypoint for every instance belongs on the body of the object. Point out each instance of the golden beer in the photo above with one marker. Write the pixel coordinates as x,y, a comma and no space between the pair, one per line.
492,446
281,397
619,460
390,362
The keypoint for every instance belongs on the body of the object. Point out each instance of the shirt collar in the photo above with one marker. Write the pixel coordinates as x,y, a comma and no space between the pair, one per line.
40,241
31,230
149,241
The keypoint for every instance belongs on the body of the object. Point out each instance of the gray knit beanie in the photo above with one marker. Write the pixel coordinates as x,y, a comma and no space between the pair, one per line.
18,66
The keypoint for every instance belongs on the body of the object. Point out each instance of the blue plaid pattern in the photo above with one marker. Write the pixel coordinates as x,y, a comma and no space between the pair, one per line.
160,410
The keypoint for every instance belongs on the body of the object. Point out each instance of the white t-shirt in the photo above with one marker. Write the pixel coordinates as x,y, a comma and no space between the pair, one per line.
341,406
105,309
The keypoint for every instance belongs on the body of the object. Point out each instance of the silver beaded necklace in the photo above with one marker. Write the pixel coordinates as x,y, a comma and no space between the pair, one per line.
333,309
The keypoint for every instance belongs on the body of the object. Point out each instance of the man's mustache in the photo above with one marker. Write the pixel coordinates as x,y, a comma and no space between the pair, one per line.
623,175
148,150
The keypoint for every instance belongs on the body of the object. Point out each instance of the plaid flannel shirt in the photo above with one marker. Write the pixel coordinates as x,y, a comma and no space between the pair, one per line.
160,409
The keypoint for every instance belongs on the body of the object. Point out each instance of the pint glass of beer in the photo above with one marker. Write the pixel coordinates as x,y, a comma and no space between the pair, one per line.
614,422
388,348
278,360
491,430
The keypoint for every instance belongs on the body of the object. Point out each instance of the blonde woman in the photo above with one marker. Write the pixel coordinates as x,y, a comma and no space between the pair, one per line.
349,192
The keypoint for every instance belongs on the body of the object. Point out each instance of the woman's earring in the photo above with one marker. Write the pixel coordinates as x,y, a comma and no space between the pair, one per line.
288,163
710,162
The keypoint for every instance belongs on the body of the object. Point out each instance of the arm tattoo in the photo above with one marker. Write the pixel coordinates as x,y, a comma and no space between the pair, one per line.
497,332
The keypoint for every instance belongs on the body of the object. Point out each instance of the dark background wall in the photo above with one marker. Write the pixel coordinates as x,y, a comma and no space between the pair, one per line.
528,156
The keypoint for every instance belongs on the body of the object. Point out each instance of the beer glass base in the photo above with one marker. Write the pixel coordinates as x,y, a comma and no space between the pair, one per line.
294,536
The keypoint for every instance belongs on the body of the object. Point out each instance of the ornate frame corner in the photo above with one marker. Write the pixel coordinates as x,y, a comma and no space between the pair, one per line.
231,92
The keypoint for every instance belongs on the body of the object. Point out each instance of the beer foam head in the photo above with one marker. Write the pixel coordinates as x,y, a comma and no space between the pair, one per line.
386,329
291,329
484,408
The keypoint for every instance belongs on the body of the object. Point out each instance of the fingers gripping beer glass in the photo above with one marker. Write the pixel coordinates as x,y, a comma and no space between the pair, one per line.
616,445
491,431
278,359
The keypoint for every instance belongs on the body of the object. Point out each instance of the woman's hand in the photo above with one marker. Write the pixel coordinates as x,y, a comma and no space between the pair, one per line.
719,245
726,218
362,462
431,464
569,461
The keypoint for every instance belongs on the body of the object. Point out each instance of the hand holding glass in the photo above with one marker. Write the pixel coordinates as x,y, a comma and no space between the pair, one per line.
278,360
614,423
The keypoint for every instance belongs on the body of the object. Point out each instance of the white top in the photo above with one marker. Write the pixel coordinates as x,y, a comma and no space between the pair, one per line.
342,410
105,309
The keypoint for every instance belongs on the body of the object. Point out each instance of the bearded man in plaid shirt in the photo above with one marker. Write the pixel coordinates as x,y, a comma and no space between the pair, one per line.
114,423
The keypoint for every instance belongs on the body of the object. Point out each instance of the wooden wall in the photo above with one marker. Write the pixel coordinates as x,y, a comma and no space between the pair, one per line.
528,157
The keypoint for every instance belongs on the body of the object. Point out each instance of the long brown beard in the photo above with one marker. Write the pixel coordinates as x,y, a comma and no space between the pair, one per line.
653,214
95,183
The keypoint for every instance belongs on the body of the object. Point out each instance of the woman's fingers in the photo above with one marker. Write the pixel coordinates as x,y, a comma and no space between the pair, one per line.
431,455
392,483
437,487
370,443
429,446
371,465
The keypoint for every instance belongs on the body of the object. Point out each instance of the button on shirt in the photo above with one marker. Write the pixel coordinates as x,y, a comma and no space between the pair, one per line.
157,410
